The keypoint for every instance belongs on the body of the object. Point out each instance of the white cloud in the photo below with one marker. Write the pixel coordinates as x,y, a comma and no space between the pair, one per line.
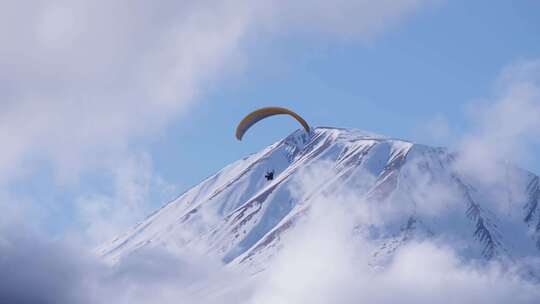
323,261
102,216
343,18
37,271
85,78
506,127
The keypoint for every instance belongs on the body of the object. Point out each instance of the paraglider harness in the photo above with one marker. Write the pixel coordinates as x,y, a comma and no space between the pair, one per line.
269,175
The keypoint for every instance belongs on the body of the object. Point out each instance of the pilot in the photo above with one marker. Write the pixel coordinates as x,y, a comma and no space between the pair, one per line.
269,175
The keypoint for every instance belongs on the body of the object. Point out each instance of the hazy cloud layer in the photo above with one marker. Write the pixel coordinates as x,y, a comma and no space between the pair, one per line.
36,271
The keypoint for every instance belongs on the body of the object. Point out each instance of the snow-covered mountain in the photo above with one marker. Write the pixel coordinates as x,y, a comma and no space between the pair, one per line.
416,191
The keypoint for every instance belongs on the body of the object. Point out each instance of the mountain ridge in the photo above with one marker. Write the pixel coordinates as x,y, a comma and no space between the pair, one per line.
240,217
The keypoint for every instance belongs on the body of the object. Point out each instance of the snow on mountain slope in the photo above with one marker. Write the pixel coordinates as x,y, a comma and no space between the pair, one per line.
414,191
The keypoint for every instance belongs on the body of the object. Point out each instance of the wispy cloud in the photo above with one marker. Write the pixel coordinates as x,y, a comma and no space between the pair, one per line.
505,127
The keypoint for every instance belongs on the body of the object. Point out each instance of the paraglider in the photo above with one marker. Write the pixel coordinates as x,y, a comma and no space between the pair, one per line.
252,118
260,114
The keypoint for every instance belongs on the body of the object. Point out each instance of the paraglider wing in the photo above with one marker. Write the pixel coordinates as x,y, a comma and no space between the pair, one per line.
260,114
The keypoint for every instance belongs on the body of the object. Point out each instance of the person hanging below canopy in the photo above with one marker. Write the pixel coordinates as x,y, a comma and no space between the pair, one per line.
269,175
254,117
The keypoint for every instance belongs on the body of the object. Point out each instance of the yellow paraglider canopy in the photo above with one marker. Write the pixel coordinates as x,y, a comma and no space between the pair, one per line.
262,113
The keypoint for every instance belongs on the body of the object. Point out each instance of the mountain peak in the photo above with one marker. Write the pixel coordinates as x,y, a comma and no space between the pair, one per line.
241,216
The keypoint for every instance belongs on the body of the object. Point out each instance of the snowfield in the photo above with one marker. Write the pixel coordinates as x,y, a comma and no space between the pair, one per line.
396,191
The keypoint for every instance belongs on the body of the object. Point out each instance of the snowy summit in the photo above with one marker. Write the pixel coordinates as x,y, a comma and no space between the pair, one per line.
407,191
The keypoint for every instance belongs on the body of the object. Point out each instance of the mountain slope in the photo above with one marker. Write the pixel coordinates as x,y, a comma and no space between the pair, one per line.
417,192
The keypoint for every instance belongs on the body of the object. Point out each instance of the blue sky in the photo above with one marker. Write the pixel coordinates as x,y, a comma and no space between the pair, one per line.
433,64
114,108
